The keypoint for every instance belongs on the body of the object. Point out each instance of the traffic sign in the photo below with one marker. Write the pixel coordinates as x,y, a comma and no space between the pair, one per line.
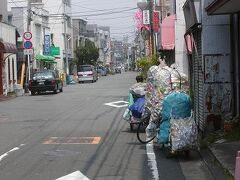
27,35
27,45
28,51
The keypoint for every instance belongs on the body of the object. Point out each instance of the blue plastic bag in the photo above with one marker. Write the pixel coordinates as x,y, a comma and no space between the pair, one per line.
138,107
177,105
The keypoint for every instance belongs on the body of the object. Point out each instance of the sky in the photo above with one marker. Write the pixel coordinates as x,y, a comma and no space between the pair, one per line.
118,14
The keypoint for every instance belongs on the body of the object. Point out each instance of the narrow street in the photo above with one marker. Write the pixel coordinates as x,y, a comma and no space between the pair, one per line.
48,136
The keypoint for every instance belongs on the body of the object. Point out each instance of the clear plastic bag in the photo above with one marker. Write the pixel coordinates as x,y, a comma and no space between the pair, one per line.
183,134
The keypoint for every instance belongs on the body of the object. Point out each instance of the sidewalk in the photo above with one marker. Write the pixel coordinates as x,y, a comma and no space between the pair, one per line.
6,98
220,158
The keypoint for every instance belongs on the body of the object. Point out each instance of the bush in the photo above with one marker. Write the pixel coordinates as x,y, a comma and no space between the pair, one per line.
145,63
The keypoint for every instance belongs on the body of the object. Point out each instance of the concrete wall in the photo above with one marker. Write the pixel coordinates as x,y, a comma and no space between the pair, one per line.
3,10
216,61
180,48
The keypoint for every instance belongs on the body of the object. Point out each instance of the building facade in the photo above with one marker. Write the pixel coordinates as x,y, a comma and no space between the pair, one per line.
210,66
61,31
8,53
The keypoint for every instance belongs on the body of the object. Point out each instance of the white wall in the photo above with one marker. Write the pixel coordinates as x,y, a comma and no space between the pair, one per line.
180,48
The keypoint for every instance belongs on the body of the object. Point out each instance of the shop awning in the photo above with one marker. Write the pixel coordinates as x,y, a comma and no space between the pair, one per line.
44,58
223,7
7,47
168,33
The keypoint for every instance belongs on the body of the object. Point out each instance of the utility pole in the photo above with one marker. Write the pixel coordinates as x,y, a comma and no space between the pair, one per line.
152,40
27,72
65,37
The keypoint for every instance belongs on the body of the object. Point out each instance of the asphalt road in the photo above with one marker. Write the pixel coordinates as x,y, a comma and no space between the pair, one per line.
48,136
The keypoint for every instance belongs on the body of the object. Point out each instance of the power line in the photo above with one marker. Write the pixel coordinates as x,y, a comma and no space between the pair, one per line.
107,13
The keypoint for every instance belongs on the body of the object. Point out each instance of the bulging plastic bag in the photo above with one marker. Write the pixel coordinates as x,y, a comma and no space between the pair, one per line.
183,134
137,108
127,115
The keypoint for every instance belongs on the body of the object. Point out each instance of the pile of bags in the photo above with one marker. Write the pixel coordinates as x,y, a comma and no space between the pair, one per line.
136,102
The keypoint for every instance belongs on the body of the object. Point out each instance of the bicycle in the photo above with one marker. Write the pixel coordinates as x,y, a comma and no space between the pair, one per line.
141,129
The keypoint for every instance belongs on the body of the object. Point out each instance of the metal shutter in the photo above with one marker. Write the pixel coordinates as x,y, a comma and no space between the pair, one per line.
198,82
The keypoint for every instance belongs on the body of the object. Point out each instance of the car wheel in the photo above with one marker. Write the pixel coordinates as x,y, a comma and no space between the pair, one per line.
33,93
55,91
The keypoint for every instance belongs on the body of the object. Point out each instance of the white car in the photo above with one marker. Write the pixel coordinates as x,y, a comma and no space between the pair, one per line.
87,73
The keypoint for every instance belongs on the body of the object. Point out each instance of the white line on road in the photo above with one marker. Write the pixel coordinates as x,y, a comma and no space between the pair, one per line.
152,160
77,175
117,104
6,154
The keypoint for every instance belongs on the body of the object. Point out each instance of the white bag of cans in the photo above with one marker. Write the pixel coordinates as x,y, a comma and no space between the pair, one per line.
183,134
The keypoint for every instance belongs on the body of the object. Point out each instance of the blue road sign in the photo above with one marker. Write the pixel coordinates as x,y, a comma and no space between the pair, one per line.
28,45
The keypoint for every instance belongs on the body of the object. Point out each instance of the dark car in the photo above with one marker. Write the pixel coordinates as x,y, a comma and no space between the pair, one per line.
118,69
46,80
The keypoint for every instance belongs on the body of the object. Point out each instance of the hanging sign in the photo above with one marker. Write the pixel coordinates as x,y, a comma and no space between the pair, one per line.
146,17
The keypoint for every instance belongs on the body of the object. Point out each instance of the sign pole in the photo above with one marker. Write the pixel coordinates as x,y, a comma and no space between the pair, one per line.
29,69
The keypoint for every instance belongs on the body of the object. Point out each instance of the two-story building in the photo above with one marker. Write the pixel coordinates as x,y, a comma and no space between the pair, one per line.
8,51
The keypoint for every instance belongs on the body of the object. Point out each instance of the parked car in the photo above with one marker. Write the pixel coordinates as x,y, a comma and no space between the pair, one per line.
87,73
102,71
118,69
46,80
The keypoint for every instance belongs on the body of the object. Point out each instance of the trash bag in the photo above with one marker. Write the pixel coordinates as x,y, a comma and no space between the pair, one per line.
184,134
137,108
176,105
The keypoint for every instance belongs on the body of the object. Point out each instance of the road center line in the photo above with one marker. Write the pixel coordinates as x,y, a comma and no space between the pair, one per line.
152,160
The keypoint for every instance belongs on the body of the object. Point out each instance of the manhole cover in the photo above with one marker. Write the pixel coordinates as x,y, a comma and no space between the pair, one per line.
72,140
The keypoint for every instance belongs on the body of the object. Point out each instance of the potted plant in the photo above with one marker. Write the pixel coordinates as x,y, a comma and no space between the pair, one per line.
228,123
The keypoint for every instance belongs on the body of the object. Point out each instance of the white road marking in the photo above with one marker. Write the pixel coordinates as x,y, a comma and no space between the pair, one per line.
152,160
77,175
7,153
117,104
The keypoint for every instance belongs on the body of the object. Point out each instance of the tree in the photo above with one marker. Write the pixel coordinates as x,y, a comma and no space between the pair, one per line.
87,54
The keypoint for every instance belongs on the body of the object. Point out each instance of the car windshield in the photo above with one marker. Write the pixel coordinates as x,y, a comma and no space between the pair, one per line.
85,68
41,75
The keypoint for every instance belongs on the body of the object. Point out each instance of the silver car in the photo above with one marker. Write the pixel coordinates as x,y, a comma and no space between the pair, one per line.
87,73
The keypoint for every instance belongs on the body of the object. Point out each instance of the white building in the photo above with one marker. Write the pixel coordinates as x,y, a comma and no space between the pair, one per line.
61,30
38,27
8,50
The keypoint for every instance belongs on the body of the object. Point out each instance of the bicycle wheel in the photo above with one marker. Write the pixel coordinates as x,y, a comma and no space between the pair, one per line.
141,133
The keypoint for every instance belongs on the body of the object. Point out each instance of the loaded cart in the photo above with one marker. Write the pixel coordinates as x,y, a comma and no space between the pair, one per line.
178,130
136,101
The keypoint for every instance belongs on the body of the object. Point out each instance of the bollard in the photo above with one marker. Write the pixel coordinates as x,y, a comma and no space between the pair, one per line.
237,167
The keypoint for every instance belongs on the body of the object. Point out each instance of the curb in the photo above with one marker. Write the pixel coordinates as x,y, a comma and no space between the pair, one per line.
214,165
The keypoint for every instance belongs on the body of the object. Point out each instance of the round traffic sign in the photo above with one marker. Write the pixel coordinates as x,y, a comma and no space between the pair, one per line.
27,35
27,44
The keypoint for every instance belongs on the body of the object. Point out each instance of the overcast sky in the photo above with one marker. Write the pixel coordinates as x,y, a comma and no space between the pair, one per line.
118,14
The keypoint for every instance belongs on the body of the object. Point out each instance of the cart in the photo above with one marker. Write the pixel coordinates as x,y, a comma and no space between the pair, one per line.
177,131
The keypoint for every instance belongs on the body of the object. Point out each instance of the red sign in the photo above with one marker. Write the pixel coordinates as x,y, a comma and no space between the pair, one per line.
156,21
27,35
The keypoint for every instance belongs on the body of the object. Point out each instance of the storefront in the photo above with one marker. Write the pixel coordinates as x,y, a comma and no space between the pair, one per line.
8,67
44,61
